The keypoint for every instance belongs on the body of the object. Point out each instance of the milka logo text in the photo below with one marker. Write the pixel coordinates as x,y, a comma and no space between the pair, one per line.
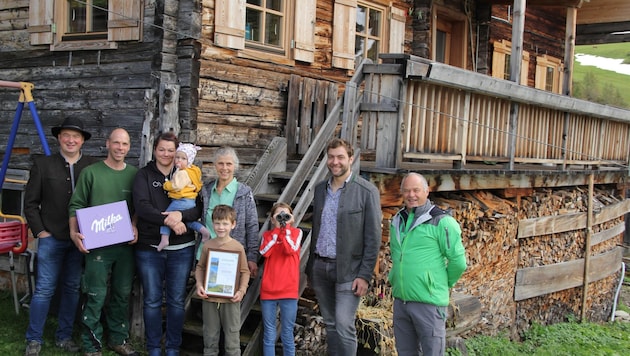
105,224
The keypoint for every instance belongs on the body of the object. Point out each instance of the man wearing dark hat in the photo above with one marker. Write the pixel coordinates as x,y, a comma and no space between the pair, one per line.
48,191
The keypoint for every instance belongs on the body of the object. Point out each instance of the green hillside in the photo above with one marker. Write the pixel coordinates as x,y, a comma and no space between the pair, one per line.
605,79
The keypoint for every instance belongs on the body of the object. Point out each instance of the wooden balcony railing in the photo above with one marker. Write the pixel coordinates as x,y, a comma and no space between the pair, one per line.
447,114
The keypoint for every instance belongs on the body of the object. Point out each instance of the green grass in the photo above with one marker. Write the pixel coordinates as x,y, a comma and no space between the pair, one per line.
570,339
13,327
605,77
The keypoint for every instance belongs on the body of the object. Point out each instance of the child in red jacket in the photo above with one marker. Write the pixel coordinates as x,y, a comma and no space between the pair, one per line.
281,279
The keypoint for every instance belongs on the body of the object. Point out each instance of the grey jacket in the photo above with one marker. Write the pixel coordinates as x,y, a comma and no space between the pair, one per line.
246,230
359,219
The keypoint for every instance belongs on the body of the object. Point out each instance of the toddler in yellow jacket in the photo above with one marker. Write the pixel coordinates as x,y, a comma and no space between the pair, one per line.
183,188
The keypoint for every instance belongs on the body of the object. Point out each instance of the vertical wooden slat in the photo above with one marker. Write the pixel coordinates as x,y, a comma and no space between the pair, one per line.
371,94
293,113
409,115
306,114
424,118
463,128
319,107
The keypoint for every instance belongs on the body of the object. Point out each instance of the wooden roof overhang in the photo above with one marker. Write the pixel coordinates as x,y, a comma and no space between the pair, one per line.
598,21
603,21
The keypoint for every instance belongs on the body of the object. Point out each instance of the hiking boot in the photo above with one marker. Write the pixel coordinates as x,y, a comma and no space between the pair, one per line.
68,345
33,348
124,349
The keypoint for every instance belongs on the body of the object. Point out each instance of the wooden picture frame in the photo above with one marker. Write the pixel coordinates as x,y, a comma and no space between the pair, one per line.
222,270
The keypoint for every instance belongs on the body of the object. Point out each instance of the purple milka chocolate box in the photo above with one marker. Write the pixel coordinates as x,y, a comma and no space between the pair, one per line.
105,225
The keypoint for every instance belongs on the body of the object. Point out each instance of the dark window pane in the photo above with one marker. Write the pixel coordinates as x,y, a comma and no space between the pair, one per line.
440,46
253,25
99,16
273,26
255,2
549,79
76,17
508,64
375,23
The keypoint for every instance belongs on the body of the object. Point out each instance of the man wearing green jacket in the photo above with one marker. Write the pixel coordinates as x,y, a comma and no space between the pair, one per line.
428,258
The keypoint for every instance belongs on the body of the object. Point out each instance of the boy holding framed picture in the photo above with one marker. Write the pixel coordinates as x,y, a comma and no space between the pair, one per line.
222,276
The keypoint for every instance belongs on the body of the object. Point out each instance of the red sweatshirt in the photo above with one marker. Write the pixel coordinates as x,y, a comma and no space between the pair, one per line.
281,275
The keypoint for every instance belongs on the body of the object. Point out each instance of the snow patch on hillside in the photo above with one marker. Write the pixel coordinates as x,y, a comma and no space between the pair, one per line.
612,64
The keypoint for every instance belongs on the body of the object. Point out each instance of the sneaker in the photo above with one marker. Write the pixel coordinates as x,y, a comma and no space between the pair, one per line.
33,348
124,349
68,345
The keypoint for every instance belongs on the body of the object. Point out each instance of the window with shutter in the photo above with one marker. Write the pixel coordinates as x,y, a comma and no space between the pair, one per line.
549,74
84,25
273,30
501,57
379,28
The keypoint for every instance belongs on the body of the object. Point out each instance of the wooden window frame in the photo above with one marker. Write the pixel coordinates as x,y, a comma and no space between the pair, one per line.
286,34
47,18
383,31
502,48
542,63
344,30
299,36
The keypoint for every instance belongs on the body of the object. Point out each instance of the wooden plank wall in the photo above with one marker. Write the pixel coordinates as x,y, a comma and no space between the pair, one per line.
309,103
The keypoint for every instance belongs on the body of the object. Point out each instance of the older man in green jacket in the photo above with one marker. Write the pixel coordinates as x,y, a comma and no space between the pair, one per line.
428,258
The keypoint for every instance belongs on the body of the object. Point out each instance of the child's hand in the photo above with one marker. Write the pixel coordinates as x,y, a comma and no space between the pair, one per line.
238,296
201,292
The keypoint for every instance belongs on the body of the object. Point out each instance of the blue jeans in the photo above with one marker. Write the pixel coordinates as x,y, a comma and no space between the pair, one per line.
158,271
178,205
338,306
58,261
288,312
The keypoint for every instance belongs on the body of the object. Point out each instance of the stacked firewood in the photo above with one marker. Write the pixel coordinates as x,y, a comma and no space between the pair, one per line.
489,222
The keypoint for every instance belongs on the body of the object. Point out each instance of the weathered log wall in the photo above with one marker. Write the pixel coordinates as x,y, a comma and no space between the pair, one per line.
107,88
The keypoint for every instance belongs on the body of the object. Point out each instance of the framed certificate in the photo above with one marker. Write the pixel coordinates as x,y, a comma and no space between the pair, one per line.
221,273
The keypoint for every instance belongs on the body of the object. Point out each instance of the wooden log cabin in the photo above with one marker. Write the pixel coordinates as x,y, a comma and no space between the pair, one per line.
536,178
